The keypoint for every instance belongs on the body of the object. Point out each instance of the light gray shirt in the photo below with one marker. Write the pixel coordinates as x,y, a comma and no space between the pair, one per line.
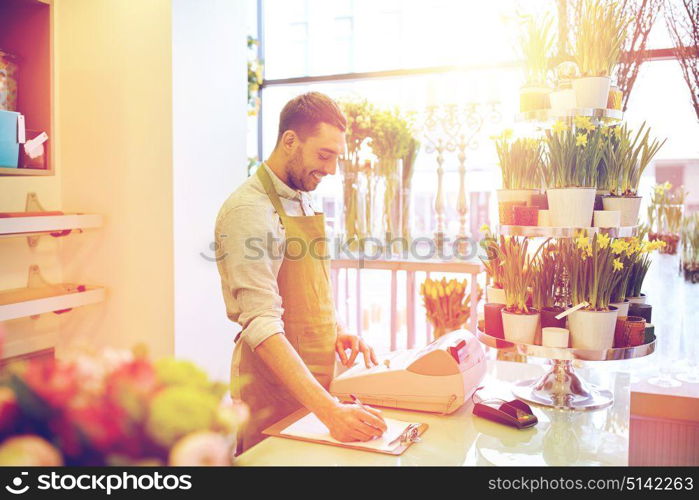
249,239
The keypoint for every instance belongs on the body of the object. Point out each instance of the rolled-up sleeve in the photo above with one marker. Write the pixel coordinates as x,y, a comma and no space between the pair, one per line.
249,257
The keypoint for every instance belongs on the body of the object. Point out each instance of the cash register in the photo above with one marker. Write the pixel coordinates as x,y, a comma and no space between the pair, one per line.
437,378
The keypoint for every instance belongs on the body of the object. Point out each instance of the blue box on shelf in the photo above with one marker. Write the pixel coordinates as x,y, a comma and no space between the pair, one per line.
12,134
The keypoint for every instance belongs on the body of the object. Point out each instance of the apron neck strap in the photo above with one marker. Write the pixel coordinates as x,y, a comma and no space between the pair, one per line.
266,180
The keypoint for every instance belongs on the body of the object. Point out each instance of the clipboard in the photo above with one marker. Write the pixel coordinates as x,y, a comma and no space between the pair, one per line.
277,429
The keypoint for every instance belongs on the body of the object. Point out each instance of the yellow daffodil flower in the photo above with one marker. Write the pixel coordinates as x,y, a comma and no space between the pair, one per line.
559,127
618,265
603,240
583,122
582,241
581,140
617,132
507,134
485,228
619,246
605,131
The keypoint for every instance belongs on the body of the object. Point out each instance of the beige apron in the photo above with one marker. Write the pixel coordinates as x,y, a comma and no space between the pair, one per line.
309,323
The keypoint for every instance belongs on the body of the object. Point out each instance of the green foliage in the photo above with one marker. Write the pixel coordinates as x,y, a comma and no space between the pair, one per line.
600,32
521,162
391,133
536,45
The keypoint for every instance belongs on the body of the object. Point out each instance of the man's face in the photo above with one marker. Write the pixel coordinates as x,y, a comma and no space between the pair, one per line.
315,157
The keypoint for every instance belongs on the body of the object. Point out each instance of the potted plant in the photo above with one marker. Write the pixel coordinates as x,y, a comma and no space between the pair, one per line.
390,140
519,320
546,285
572,157
448,304
521,165
690,247
599,35
495,292
594,272
624,253
536,44
640,263
358,114
626,156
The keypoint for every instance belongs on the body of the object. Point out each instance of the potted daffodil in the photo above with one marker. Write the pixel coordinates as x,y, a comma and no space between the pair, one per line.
594,273
599,35
519,320
573,155
626,156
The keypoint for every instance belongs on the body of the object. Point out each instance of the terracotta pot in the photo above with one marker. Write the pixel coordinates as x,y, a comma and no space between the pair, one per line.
571,207
628,206
524,195
615,98
520,328
554,337
507,212
592,330
630,331
548,317
526,216
591,91
644,311
493,319
495,295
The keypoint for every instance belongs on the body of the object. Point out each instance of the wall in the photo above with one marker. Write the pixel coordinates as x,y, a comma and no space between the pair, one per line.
25,31
114,122
209,161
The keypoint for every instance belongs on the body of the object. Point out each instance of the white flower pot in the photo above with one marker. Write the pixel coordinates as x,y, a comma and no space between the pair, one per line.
552,336
629,207
641,299
516,195
622,308
591,91
592,330
544,218
606,218
495,295
562,100
520,328
571,207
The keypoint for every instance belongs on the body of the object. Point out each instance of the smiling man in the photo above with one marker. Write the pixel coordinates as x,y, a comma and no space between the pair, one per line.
275,280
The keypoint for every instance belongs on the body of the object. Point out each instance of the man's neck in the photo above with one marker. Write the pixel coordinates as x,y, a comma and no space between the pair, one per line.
277,165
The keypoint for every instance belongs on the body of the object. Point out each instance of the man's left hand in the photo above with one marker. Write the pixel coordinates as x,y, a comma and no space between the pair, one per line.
347,341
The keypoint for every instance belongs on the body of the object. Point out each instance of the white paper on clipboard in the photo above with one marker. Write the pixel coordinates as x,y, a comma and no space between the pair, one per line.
310,427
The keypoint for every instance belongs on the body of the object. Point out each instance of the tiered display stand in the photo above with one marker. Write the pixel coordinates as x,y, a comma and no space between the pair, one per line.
562,388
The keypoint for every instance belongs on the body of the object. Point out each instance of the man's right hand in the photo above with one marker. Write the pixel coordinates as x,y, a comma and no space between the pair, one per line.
350,422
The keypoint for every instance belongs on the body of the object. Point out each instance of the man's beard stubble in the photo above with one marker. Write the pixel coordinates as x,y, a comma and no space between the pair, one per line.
293,167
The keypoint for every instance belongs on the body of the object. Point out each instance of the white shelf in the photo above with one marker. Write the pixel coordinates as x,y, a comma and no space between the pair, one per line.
542,115
566,232
11,227
24,302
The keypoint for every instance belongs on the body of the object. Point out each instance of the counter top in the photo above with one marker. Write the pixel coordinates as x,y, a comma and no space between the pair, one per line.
560,438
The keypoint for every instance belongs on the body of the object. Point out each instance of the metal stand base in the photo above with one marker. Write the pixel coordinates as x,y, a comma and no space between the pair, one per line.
562,389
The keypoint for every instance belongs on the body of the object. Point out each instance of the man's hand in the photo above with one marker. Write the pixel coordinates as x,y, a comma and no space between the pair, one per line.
349,422
346,341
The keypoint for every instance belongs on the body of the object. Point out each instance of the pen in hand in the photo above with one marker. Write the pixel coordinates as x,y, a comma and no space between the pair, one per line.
356,401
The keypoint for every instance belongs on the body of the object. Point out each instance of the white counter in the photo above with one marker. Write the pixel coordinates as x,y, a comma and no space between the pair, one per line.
560,438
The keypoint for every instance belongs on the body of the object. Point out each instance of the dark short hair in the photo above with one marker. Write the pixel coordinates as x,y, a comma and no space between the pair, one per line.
304,114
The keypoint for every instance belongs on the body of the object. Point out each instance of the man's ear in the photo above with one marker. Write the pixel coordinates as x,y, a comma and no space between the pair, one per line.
289,141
